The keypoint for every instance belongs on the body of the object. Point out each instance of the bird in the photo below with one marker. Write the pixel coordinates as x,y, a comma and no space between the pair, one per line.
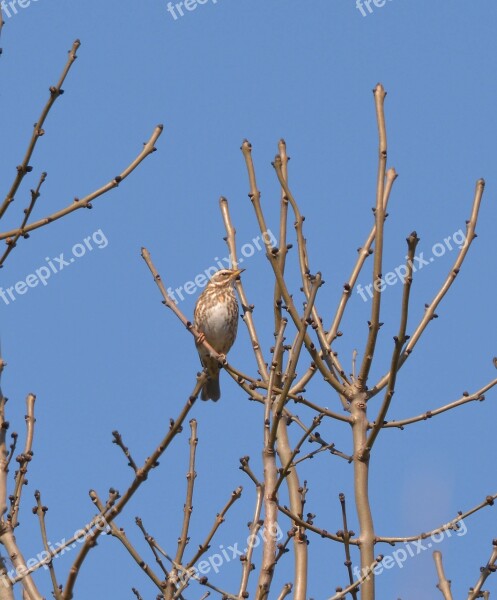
216,321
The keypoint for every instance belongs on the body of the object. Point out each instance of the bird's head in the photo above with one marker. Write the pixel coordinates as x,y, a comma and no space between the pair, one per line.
225,277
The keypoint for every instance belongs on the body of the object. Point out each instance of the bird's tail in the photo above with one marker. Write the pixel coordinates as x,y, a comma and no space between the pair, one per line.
211,389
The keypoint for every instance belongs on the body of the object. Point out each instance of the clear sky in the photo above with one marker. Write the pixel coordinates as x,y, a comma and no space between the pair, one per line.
101,353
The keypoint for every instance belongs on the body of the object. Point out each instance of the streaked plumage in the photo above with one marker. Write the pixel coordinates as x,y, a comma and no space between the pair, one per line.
216,316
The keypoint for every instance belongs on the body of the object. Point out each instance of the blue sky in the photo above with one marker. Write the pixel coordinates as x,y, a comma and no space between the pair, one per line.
100,351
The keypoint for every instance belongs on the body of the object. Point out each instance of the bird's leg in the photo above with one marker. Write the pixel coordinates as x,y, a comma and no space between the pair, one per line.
200,339
221,359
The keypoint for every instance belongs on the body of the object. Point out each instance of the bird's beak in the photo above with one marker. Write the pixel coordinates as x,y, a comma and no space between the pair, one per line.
237,272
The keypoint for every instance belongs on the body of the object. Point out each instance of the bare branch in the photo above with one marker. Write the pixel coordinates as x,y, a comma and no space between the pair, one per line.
151,542
400,339
430,308
476,396
374,325
85,202
256,524
4,456
220,518
326,447
8,540
270,474
346,538
310,527
119,533
443,583
24,167
23,460
40,511
12,242
187,509
361,490
247,308
245,467
290,462
191,574
190,477
239,377
118,440
141,476
453,524
293,359
364,252
486,571
327,354
271,254
354,586
287,589
321,409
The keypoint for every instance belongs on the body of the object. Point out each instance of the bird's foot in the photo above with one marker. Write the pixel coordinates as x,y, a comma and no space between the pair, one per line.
200,339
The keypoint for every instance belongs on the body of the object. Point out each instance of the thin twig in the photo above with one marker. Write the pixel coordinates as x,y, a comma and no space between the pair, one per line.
453,524
12,242
220,518
190,477
486,571
399,341
247,308
271,254
293,359
6,592
53,552
326,447
188,574
454,271
120,534
23,460
283,448
141,476
443,583
150,541
321,409
118,440
374,324
40,511
287,589
187,510
310,527
85,202
291,461
282,242
327,353
478,396
364,252
270,475
238,376
254,527
24,167
4,456
346,538
364,577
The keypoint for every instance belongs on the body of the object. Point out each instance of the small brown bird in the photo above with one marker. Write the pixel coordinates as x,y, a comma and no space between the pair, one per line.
216,318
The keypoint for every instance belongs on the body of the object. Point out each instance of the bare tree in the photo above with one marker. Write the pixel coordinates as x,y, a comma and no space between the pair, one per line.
303,344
